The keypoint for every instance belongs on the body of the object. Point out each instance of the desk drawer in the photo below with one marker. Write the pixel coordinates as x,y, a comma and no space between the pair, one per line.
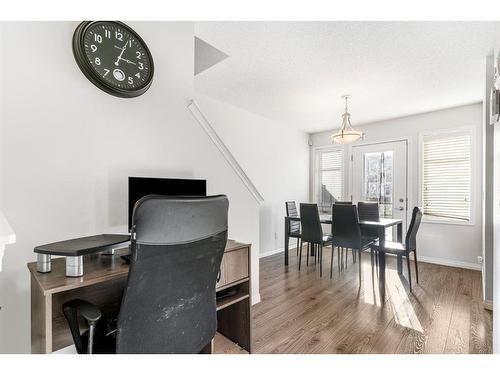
234,267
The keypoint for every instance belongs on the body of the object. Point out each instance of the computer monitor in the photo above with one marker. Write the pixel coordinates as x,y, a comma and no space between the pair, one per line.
139,187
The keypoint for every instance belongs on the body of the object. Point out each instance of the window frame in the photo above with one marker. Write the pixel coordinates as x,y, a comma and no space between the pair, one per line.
471,131
318,151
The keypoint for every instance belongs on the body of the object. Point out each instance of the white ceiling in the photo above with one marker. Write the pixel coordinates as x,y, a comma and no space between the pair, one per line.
295,72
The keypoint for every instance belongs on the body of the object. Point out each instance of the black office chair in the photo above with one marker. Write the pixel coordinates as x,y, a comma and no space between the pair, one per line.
410,244
347,232
294,225
312,232
168,305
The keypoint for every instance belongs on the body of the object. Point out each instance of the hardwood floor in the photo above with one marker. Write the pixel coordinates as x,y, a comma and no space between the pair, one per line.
300,312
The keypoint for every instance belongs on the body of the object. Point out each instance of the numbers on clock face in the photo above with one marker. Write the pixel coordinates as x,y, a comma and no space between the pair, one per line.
117,56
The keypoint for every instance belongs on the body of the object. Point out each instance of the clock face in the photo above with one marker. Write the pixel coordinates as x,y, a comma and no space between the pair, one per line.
113,57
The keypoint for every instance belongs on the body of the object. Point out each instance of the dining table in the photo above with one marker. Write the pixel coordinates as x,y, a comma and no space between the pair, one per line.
380,225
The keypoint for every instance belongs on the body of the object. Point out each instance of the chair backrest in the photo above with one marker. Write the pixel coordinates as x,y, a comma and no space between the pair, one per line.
411,235
169,301
291,210
338,202
311,223
368,211
345,225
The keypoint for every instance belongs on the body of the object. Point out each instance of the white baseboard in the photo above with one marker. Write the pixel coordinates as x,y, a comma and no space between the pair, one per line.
488,304
433,260
255,298
450,263
272,252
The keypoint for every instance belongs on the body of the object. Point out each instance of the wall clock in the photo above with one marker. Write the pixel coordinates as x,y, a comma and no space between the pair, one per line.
113,57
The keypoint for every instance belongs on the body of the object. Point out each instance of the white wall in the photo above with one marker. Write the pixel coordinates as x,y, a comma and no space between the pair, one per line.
488,186
496,230
444,243
66,149
496,242
279,168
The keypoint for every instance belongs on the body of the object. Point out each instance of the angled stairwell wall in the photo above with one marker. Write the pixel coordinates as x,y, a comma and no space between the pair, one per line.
273,159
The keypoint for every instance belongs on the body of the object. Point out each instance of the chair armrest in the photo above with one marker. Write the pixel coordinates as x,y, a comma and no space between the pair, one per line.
88,310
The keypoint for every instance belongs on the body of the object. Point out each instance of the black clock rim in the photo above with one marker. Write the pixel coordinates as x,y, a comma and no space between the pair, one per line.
91,74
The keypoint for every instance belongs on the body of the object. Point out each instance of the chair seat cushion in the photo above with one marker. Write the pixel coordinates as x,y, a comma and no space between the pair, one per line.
295,234
390,247
327,238
366,242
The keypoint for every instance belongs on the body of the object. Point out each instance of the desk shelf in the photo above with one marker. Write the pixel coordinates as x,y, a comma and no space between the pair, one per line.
228,301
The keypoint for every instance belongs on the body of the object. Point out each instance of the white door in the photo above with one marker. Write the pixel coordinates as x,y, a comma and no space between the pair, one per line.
379,174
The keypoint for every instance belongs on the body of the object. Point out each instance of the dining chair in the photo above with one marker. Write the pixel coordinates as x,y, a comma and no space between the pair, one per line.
369,211
347,232
312,232
341,253
294,225
410,244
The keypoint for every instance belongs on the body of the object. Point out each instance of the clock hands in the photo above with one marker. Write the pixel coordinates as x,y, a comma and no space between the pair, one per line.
120,56
121,53
130,62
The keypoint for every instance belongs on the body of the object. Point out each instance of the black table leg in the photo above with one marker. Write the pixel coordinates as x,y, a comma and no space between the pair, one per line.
287,238
400,232
381,264
400,264
381,275
400,239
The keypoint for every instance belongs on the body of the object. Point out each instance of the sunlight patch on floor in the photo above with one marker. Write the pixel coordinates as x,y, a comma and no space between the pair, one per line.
401,306
370,284
398,297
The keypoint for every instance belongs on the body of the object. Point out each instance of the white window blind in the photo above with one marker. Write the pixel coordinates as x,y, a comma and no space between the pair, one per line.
330,177
447,176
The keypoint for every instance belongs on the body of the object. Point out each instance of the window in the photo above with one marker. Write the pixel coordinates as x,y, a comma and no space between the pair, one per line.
330,177
378,180
446,177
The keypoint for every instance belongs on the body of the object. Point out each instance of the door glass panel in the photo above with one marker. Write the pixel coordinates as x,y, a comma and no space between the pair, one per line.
378,182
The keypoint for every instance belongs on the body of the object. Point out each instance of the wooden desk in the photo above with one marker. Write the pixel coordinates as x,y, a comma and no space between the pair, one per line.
103,284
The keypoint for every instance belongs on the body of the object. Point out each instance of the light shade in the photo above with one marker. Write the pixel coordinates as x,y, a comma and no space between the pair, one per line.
346,136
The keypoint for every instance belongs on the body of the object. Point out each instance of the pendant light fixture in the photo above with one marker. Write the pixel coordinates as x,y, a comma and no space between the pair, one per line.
346,134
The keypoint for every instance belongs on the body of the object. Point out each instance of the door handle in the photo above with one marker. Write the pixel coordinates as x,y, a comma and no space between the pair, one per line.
401,208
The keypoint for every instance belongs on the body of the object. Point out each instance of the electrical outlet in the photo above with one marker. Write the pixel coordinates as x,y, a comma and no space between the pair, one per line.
480,259
275,235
